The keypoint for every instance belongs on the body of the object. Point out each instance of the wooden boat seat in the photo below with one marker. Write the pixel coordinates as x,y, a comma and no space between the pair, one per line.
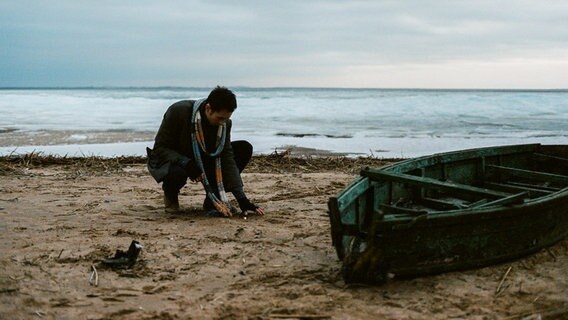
534,191
527,174
555,158
543,186
513,199
390,209
443,204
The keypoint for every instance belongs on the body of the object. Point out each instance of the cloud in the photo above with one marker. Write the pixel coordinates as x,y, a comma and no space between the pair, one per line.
312,43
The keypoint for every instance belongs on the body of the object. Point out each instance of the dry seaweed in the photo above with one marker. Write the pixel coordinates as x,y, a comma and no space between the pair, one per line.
92,165
276,162
284,162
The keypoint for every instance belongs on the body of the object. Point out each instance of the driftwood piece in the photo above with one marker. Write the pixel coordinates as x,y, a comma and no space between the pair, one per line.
498,290
94,278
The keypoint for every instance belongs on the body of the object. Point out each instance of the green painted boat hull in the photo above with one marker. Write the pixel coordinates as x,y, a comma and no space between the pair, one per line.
451,211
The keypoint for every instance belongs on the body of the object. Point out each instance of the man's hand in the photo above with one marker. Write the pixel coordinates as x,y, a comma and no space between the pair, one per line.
245,205
224,210
193,172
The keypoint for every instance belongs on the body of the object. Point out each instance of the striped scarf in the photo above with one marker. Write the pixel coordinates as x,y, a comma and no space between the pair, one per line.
221,203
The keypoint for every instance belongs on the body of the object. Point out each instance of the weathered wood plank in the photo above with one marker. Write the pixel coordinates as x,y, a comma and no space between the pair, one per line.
452,157
478,203
389,209
536,175
533,192
441,204
554,164
536,186
352,193
382,175
514,199
556,159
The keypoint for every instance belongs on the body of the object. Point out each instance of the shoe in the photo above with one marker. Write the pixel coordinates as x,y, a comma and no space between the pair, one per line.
214,214
171,204
123,259
210,210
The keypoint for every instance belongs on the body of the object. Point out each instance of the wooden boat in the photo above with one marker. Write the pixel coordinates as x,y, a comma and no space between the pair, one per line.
451,211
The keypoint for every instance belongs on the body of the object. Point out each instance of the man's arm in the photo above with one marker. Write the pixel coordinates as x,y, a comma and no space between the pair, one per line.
235,182
231,176
168,141
168,137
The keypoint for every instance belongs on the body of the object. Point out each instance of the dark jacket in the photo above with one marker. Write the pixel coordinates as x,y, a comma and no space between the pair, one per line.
173,145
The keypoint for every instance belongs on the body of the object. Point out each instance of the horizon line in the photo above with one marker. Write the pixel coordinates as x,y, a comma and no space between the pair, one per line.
103,87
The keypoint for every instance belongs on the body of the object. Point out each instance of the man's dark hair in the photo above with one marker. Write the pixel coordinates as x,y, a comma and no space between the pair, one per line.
222,98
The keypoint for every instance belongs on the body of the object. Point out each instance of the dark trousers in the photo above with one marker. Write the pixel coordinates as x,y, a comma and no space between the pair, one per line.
177,175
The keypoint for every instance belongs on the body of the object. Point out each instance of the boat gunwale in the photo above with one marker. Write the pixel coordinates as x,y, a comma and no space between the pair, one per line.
459,155
497,210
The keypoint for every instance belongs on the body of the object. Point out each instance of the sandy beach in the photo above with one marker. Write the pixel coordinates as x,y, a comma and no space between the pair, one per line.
59,218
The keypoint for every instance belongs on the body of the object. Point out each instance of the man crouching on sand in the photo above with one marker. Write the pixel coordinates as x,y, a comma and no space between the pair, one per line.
194,141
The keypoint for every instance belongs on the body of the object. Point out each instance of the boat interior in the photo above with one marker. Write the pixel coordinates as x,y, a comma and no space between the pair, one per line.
475,179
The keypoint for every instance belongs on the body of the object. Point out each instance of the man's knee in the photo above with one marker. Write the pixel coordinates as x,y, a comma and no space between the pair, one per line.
242,147
175,179
242,151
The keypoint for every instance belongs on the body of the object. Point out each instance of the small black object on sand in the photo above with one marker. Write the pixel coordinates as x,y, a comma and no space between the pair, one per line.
123,259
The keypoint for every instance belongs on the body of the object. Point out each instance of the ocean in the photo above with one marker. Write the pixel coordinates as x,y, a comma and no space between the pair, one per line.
382,123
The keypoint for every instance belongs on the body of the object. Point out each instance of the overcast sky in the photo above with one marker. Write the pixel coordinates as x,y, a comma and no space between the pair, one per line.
384,44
